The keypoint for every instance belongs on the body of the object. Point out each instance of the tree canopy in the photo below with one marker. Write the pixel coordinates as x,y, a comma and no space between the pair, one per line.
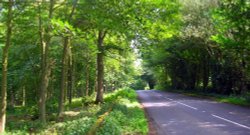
53,51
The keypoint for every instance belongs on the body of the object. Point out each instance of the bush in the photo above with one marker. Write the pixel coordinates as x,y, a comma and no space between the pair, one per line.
111,126
126,117
247,97
121,93
76,127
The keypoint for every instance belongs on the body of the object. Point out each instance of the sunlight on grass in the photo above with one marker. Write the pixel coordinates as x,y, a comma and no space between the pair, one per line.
125,117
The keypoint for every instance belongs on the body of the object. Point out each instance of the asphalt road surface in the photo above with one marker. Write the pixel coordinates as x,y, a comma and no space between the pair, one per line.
176,114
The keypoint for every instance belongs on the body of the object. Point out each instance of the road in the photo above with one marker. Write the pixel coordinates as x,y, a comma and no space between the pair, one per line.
176,114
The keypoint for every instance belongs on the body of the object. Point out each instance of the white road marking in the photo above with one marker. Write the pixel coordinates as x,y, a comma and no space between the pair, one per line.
180,103
187,105
168,98
244,126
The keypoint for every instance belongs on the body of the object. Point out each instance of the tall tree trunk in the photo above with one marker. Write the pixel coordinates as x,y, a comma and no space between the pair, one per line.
73,77
5,67
64,75
65,58
205,73
100,66
24,96
87,74
70,76
45,67
87,80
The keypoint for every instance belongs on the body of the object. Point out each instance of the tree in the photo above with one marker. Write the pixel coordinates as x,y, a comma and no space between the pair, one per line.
45,37
180,57
116,18
5,66
100,66
232,19
100,14
66,62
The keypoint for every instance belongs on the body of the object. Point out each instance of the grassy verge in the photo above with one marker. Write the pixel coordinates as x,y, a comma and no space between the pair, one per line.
126,116
243,100
119,114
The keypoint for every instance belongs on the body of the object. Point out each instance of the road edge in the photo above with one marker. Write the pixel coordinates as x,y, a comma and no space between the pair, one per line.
150,121
208,97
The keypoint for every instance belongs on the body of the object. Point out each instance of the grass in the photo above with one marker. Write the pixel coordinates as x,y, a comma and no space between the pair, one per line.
243,100
237,100
124,117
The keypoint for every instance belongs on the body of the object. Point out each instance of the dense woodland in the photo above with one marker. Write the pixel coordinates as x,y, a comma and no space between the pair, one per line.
209,50
54,51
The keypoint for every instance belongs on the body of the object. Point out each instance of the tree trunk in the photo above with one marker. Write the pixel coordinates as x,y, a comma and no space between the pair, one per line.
87,80
24,96
205,73
73,78
70,77
44,41
4,68
64,72
64,75
100,66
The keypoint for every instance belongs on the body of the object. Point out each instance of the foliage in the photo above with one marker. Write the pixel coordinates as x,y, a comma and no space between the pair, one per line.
126,117
139,84
126,93
77,127
209,50
183,44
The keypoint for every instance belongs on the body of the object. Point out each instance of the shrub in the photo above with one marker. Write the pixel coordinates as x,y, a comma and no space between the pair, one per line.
111,126
126,117
76,127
